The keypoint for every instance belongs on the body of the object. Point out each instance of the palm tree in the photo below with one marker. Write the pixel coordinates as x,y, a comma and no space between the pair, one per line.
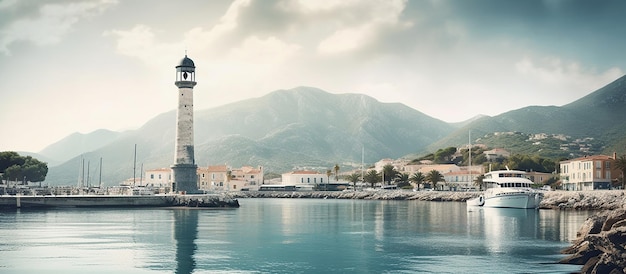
435,177
402,179
354,178
336,169
389,172
371,177
620,164
328,173
418,178
479,182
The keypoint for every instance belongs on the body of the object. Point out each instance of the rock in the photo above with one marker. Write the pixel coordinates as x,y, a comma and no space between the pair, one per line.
601,244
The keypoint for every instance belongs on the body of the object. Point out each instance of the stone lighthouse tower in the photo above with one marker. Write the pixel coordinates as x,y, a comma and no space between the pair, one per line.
184,169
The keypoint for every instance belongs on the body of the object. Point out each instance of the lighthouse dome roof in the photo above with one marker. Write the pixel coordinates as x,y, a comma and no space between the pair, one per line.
186,62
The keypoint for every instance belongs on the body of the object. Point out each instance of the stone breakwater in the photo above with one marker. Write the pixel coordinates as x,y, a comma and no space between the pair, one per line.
576,200
601,244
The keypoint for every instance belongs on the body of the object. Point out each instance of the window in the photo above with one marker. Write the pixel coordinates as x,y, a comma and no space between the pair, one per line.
151,176
159,176
607,164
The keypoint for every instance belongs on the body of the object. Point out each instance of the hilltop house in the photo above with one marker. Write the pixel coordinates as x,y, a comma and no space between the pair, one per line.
496,153
588,173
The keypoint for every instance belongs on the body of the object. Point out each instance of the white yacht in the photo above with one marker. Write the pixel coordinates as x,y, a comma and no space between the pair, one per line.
510,188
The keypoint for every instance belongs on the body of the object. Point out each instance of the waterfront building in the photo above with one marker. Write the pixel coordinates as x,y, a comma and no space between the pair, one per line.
588,172
539,177
159,178
462,179
184,176
253,177
304,177
213,177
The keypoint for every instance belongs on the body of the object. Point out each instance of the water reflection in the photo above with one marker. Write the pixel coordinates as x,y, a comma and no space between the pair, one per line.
505,226
185,234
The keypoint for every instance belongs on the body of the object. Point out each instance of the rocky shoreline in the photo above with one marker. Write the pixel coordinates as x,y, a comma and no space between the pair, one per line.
601,244
564,200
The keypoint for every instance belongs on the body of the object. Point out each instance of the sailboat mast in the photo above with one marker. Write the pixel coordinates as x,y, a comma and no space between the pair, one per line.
88,185
469,151
100,179
362,160
135,167
82,175
80,167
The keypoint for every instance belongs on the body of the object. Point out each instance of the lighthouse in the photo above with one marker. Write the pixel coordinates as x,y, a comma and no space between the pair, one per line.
184,176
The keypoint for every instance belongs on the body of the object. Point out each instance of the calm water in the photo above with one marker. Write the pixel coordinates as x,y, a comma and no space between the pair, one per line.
288,236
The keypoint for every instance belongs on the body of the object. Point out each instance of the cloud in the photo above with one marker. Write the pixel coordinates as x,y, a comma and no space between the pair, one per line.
565,76
140,42
50,24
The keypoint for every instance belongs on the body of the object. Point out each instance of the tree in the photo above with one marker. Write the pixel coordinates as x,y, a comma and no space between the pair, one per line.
336,169
328,173
16,167
434,177
354,178
402,180
418,178
444,156
371,177
389,172
479,182
620,164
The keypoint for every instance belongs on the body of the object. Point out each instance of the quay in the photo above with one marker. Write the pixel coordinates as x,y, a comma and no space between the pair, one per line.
128,201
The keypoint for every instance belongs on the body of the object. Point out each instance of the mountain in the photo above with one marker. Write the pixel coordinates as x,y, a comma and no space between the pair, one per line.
76,144
299,128
598,115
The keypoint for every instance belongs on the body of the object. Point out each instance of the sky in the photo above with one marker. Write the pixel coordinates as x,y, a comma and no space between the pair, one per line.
81,65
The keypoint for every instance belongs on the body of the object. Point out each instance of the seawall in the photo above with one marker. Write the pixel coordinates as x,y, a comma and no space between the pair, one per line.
131,201
576,200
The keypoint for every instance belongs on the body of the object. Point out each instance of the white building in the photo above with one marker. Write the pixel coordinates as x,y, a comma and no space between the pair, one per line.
160,177
304,177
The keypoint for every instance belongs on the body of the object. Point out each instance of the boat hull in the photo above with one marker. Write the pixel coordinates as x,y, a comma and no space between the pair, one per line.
478,201
519,200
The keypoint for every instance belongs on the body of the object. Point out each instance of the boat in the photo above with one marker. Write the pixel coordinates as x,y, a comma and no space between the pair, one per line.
478,201
510,189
